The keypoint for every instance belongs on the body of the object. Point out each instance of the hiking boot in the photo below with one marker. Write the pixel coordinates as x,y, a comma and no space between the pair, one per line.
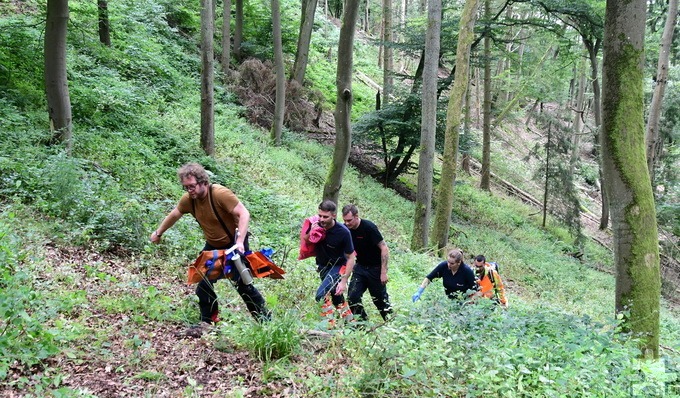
197,331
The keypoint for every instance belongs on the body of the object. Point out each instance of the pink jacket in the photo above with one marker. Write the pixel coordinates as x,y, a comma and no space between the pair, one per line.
316,235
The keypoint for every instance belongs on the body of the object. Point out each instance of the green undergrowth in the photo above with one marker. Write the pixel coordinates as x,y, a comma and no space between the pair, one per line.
74,248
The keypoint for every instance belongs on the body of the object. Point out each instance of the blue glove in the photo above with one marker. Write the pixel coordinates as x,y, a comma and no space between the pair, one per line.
416,296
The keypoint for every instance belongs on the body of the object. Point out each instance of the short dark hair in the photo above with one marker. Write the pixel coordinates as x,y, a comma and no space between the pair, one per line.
193,170
350,208
480,259
328,205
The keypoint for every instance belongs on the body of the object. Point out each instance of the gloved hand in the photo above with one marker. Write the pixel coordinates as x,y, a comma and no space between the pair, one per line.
416,296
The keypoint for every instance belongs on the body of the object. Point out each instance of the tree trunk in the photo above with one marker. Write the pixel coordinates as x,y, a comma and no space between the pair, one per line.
388,58
343,107
226,37
56,82
280,106
593,49
207,79
633,216
367,16
652,140
103,16
442,221
238,30
423,207
486,127
578,114
546,184
304,40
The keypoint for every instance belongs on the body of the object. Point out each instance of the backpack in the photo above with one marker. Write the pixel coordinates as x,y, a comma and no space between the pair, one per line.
493,266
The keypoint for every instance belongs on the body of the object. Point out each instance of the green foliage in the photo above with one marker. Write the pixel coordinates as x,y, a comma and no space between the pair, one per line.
24,336
136,122
443,349
396,126
557,176
272,340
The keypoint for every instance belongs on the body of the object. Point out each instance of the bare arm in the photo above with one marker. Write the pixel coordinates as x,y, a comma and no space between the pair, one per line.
243,216
342,286
384,258
166,224
425,283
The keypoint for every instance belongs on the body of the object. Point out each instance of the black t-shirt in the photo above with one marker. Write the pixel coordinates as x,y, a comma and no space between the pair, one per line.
365,239
454,285
332,249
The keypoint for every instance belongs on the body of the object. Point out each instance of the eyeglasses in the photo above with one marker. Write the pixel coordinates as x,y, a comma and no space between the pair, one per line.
189,187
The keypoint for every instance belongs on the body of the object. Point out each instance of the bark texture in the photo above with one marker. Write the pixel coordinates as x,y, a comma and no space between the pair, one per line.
56,83
653,147
485,181
343,105
442,220
304,40
207,78
423,208
226,37
238,30
280,105
633,215
103,16
388,58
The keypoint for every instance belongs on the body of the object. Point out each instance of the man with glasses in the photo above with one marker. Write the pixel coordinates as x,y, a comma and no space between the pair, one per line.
457,277
219,213
370,270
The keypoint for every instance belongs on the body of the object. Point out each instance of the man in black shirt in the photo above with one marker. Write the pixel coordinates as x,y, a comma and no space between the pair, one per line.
370,271
334,261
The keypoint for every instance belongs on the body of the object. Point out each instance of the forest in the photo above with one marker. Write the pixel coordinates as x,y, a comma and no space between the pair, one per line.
542,134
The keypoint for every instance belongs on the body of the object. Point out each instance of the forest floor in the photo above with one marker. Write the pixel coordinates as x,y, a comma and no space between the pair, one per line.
169,364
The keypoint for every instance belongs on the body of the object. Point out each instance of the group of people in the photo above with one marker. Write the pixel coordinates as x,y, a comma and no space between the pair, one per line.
353,248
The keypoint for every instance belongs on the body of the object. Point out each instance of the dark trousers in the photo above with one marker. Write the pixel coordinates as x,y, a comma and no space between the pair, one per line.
207,299
368,278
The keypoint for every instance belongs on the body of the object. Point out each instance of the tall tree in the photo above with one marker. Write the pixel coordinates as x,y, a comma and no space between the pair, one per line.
103,16
238,30
440,231
207,78
587,18
56,82
579,112
280,105
423,208
343,105
653,147
485,182
633,215
226,36
304,40
388,58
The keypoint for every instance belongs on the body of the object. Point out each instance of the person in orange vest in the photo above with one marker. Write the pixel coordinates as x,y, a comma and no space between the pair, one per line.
220,214
489,281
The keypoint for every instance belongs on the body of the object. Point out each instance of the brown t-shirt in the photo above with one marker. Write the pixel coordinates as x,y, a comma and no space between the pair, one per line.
225,202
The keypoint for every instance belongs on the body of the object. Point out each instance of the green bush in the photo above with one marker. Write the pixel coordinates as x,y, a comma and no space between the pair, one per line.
445,349
24,312
278,338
